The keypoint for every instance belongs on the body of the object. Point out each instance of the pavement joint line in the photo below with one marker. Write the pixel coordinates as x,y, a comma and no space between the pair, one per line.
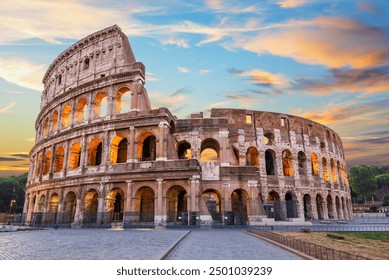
301,254
166,254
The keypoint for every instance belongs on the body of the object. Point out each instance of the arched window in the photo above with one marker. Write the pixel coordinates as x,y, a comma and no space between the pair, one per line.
75,156
302,159
118,153
210,150
315,164
184,150
47,163
81,110
252,156
270,162
287,163
100,105
325,170
268,138
59,158
66,114
149,148
333,170
46,126
95,152
123,100
54,122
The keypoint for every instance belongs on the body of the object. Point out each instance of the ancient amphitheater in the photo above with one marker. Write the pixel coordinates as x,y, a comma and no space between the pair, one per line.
103,157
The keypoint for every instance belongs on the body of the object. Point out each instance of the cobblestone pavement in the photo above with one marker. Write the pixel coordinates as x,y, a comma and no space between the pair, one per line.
227,245
86,244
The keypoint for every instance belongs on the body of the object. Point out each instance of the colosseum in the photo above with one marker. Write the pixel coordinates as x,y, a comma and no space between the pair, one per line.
103,157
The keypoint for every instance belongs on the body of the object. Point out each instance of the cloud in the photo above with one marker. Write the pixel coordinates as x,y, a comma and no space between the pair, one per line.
229,6
10,159
48,21
334,42
181,91
20,155
368,81
204,71
242,100
7,108
177,42
151,77
22,72
291,3
183,69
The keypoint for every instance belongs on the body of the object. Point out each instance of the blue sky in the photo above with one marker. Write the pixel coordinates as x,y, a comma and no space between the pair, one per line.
322,59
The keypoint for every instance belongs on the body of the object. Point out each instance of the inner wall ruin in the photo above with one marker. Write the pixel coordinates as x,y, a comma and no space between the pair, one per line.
103,157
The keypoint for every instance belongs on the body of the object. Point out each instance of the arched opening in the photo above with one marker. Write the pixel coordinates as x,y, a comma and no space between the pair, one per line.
184,150
210,150
177,200
123,100
74,156
53,203
291,205
320,207
145,204
252,156
149,148
343,205
54,122
90,207
95,152
69,208
66,115
47,163
118,153
330,207
325,170
100,105
42,204
239,199
46,126
302,159
115,204
308,211
287,163
314,164
52,209
81,110
273,207
338,208
268,138
39,168
270,156
59,159
212,205
333,170
236,155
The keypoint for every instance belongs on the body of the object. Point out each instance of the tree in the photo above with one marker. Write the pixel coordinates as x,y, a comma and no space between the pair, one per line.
362,181
12,189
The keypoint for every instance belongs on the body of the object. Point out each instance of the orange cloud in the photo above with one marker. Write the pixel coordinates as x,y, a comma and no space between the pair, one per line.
263,77
291,3
331,41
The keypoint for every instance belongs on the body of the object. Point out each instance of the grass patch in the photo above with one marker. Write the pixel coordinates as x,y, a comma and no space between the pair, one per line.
368,235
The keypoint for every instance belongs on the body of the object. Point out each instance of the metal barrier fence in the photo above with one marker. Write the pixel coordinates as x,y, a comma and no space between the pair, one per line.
339,228
310,249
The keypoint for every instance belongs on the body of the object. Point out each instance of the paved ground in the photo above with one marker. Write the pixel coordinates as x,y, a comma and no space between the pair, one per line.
90,244
86,244
225,244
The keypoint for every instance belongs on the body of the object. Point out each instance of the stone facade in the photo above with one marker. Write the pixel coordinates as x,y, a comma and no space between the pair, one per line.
104,157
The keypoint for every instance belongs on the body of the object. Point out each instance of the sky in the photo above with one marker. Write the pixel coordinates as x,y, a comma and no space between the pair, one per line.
325,60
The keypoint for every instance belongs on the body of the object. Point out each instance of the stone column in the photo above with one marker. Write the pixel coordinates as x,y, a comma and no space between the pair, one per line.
100,210
129,206
90,108
78,215
162,144
224,157
131,145
135,92
66,158
72,113
160,217
42,164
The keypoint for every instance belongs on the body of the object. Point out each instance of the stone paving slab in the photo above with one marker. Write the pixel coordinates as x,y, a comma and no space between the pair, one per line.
227,245
87,244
